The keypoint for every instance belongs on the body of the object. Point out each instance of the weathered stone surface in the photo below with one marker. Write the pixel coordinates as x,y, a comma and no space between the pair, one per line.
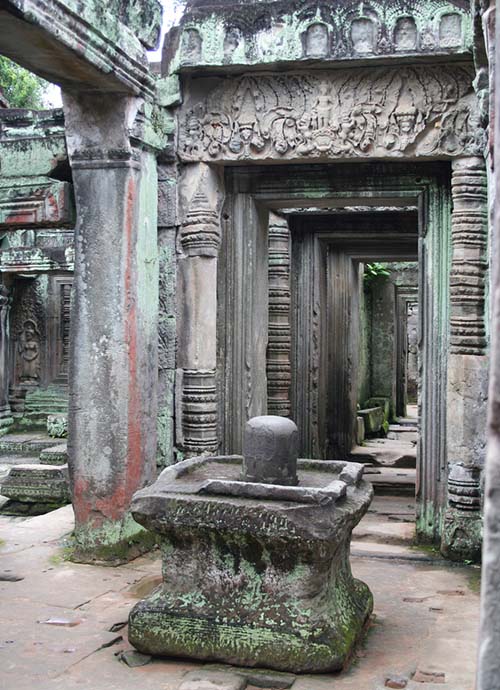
44,485
57,425
83,45
384,403
54,455
280,593
270,451
291,33
373,419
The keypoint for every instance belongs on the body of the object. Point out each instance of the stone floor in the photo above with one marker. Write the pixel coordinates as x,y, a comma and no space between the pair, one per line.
64,625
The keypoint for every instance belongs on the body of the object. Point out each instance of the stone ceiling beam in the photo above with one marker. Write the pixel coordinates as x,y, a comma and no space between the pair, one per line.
76,46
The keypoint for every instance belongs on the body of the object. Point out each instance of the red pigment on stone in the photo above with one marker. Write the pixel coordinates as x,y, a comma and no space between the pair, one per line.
134,464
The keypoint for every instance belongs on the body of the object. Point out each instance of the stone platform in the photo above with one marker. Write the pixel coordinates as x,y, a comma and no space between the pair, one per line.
254,574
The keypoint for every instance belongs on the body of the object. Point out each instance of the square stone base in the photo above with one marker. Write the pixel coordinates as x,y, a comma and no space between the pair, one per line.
251,611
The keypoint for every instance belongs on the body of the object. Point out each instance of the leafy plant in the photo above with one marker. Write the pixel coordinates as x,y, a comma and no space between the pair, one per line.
375,271
21,88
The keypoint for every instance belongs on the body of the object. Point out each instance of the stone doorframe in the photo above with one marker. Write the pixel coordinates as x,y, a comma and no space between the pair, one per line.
251,193
327,251
404,296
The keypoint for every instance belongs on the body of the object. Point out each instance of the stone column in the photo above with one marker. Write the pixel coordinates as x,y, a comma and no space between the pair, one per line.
167,232
279,339
196,392
467,363
113,352
6,419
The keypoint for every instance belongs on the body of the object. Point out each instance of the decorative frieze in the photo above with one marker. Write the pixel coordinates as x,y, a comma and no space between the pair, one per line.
469,260
279,342
199,412
304,31
407,111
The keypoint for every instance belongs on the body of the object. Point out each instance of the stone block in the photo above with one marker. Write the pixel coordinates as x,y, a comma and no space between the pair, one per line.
57,425
54,455
35,488
373,419
360,430
384,403
279,591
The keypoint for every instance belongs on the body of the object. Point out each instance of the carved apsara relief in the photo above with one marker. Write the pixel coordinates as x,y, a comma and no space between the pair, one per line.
403,111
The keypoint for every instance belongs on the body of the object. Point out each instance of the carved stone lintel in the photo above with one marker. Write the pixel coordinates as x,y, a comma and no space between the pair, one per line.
469,261
199,412
279,342
384,112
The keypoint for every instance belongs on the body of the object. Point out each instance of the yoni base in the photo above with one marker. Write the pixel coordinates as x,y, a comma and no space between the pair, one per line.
253,582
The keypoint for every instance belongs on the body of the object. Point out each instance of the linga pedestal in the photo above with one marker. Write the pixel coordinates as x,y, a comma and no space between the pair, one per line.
255,556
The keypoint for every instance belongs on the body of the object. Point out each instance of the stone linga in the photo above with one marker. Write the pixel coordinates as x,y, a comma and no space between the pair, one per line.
254,574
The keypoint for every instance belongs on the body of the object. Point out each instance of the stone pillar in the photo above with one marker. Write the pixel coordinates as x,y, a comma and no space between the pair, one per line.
488,671
167,231
113,353
196,406
279,340
467,363
6,419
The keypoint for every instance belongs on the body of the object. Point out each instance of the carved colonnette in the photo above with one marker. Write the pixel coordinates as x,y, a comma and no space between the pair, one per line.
467,364
197,303
384,112
468,276
279,341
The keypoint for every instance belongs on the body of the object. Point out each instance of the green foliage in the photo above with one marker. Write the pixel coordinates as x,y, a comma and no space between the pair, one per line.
21,88
375,271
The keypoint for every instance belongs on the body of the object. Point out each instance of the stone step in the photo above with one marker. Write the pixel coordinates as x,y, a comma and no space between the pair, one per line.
34,489
393,481
384,532
25,443
54,455
7,462
402,433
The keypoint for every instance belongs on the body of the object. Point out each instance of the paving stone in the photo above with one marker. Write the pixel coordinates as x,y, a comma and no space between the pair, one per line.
260,678
435,677
213,680
135,659
396,682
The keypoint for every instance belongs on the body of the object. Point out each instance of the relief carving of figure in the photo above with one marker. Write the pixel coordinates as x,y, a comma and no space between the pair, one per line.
29,352
450,31
317,40
231,42
191,46
405,34
427,39
363,35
